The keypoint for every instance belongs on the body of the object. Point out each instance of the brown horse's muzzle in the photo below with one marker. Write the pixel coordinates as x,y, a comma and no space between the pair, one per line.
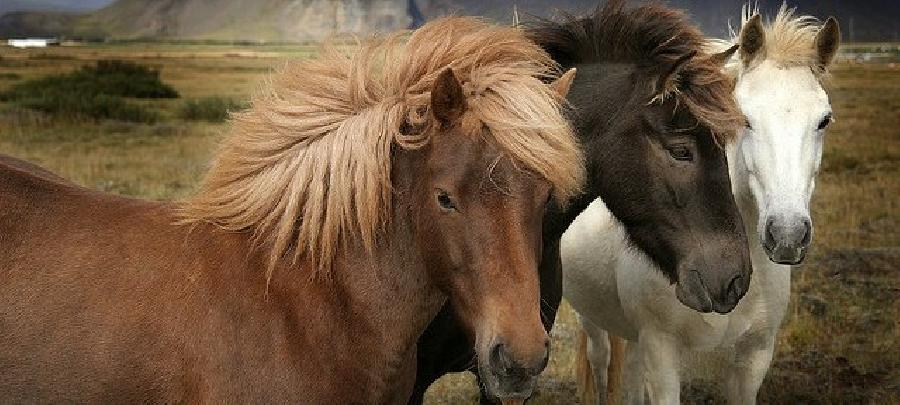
508,375
510,361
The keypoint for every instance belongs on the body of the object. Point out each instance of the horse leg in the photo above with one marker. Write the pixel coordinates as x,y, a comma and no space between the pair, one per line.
632,389
614,372
748,369
591,360
659,358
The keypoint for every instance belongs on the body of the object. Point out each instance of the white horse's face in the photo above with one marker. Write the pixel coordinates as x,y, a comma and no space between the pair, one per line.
781,149
787,112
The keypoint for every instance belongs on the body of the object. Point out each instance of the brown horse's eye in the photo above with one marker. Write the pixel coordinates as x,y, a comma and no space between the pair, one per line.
445,201
680,152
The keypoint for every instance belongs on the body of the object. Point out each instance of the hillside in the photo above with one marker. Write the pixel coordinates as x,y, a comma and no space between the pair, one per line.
295,20
257,20
8,6
264,20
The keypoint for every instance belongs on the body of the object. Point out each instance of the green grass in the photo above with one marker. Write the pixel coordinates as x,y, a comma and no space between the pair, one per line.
840,343
95,91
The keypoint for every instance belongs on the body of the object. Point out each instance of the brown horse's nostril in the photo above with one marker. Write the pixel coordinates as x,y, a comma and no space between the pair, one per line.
503,364
499,360
546,359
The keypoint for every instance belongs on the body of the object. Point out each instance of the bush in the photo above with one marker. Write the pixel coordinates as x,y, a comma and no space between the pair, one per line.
126,79
96,106
109,77
213,109
94,91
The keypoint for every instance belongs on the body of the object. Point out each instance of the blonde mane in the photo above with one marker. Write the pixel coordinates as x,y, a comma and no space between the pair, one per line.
308,167
789,39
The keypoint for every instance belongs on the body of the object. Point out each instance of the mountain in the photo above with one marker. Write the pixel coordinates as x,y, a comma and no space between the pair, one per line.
294,20
257,20
76,6
265,20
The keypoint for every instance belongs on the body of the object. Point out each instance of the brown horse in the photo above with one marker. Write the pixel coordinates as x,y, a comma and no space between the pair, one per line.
358,194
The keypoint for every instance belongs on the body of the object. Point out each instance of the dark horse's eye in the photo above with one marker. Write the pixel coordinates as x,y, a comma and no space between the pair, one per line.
682,153
445,201
825,121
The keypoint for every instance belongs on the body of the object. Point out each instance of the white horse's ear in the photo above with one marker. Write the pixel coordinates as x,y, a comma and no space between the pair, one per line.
752,39
562,85
515,16
827,42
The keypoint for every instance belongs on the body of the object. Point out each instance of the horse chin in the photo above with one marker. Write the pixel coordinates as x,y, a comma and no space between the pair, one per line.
785,255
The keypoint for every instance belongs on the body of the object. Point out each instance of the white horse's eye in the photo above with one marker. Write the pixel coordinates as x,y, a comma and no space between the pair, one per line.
825,121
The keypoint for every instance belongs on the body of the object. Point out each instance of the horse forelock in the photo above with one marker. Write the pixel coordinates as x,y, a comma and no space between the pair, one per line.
789,40
309,163
651,36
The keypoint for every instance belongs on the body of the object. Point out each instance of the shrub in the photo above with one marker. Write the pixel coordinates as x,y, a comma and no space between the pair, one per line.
213,109
96,106
126,79
109,77
94,91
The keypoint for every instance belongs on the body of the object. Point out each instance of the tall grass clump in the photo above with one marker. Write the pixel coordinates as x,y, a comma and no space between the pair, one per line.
94,92
212,109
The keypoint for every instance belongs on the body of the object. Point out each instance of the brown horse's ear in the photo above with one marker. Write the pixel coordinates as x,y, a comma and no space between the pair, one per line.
447,99
827,42
752,39
722,57
668,80
562,85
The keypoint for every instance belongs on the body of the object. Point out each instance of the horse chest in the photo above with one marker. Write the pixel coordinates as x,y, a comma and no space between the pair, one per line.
649,302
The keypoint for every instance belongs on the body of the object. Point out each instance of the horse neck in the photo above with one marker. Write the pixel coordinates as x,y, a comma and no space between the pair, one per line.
589,107
379,302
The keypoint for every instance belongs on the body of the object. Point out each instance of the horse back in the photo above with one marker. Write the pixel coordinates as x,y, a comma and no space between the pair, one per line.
75,292
104,299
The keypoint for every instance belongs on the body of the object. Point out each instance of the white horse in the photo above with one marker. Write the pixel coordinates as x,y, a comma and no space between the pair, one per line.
773,165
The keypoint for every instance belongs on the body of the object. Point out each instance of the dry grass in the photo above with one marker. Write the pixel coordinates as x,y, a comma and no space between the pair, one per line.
840,343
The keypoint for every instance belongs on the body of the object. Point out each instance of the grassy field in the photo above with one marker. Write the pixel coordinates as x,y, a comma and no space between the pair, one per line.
840,343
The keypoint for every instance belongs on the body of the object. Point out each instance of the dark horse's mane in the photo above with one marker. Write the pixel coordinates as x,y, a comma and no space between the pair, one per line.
651,36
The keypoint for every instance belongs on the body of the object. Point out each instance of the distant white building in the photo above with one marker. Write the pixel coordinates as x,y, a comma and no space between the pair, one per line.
33,42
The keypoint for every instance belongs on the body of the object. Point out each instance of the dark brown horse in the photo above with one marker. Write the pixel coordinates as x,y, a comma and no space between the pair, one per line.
349,204
651,109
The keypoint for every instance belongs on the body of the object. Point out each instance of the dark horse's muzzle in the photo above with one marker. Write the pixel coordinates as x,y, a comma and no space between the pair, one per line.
713,284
